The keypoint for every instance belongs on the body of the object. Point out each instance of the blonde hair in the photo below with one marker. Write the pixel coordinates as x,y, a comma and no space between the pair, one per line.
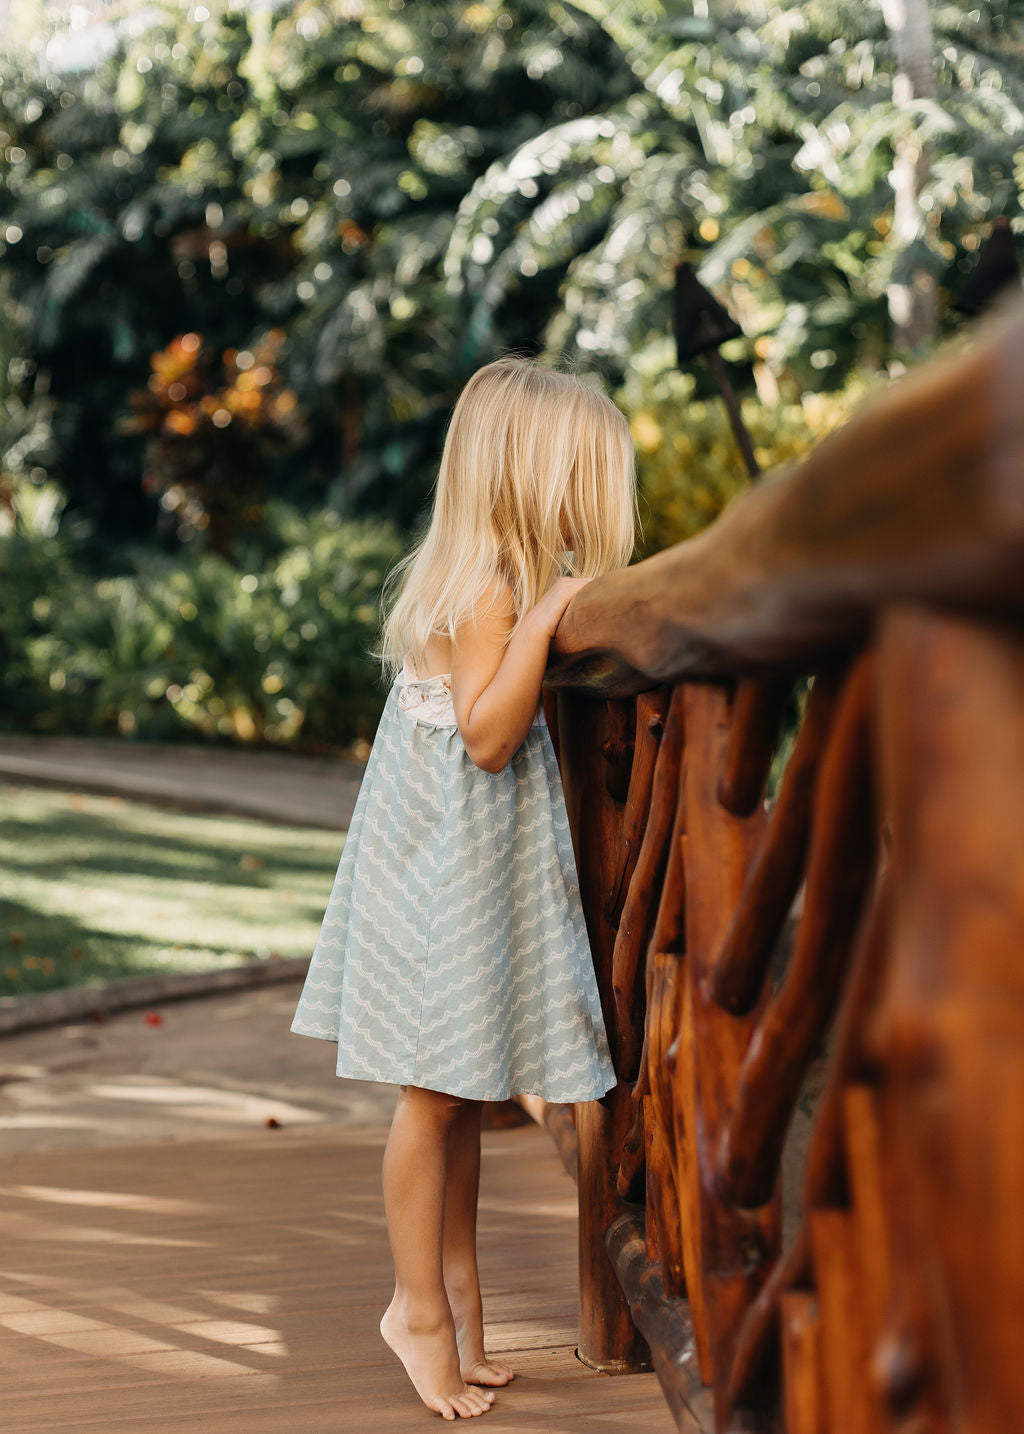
537,479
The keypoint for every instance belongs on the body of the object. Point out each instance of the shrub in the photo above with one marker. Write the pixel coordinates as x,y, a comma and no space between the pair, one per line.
688,463
214,427
274,650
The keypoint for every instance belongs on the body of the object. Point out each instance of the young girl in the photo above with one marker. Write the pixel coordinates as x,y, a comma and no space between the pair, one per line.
453,960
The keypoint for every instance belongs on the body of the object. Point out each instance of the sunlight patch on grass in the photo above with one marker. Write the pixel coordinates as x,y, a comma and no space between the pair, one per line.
93,888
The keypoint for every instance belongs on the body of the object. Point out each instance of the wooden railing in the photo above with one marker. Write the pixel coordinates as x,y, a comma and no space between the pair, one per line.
866,924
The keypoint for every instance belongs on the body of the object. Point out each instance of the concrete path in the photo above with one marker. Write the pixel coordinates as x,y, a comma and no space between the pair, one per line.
274,786
207,1069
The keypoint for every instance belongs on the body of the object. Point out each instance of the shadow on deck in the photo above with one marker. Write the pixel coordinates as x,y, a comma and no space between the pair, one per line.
235,1287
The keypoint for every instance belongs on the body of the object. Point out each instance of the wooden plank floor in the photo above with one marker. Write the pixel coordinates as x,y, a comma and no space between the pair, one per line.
235,1288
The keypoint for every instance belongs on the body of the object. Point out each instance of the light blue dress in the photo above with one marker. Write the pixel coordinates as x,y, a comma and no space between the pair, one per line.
453,954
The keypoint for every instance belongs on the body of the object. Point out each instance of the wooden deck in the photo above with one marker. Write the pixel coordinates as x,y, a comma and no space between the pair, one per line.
235,1288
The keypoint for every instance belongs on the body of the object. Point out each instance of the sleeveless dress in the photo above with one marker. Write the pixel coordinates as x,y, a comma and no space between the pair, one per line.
453,954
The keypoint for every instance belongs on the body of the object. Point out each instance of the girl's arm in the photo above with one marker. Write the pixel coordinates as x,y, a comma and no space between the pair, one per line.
496,682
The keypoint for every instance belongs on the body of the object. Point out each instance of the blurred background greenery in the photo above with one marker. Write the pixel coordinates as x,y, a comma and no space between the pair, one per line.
249,253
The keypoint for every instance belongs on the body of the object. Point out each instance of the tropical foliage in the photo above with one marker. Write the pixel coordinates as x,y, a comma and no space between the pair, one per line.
211,425
275,647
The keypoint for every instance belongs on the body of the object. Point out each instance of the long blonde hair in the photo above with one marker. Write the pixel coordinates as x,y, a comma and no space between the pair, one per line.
537,479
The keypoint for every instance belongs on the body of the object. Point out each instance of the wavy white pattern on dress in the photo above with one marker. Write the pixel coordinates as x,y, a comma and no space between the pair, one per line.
453,952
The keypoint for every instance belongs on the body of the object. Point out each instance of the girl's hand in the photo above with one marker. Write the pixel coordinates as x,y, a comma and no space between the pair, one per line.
552,605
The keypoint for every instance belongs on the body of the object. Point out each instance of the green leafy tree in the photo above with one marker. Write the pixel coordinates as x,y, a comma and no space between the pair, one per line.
298,168
760,143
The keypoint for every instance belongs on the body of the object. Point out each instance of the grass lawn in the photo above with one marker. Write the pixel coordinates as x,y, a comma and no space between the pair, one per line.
93,888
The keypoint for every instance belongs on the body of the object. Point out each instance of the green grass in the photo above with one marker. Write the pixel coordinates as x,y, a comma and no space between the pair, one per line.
94,888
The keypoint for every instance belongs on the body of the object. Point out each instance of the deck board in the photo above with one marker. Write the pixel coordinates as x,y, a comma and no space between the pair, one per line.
235,1288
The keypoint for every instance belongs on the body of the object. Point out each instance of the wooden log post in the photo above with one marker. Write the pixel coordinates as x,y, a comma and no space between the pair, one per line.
665,1220
595,763
838,876
758,709
732,1248
631,963
950,1034
825,1181
635,898
778,869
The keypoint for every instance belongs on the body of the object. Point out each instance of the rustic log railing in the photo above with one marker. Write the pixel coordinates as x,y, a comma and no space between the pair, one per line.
889,568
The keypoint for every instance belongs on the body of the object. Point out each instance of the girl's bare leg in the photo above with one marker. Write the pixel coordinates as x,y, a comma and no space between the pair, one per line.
418,1324
461,1277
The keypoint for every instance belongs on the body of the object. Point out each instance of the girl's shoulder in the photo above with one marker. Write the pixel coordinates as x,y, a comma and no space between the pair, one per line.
491,615
497,598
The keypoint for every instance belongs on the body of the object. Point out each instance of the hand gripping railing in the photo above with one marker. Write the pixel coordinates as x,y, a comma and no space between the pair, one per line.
866,925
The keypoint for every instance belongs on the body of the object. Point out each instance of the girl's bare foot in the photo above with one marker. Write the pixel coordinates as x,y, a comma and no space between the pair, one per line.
475,1366
485,1371
430,1355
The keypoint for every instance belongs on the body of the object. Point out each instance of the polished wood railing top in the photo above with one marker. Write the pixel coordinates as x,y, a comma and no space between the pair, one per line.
919,498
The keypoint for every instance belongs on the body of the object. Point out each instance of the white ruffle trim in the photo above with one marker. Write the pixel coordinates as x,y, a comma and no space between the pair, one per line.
429,701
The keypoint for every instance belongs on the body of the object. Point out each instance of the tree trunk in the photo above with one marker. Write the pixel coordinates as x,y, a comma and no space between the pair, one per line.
912,307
